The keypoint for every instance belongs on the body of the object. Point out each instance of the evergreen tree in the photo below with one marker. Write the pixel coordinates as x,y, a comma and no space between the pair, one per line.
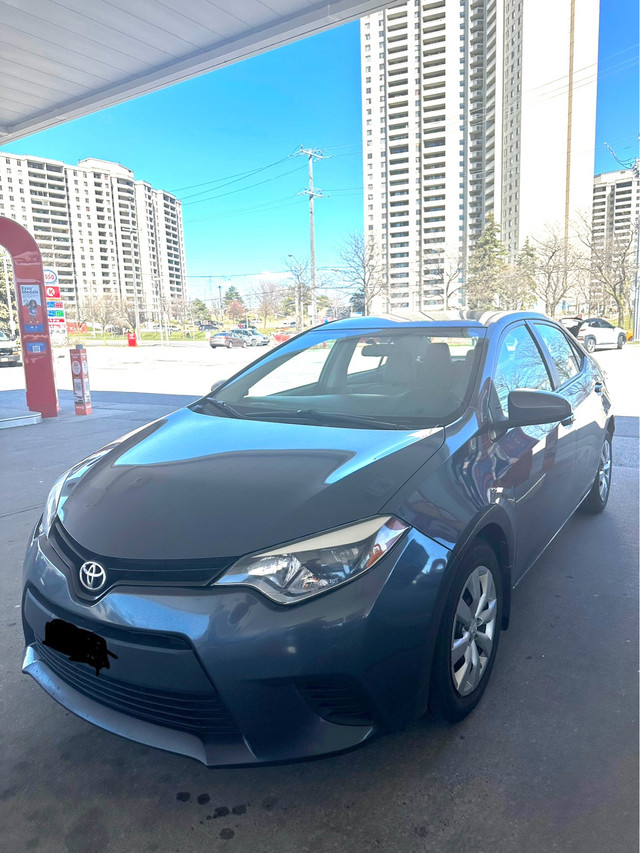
199,311
232,294
487,263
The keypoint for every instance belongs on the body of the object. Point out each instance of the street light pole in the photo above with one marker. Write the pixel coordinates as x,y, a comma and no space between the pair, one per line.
136,308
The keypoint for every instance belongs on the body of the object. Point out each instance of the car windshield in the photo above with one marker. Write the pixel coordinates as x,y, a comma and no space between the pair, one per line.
401,378
4,336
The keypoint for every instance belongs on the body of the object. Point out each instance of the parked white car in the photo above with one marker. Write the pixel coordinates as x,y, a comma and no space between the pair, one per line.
596,332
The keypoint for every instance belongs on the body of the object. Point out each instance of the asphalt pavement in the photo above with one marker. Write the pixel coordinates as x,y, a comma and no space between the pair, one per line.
547,762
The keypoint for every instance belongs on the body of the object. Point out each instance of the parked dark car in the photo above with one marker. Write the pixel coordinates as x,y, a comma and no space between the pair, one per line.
229,339
324,547
9,348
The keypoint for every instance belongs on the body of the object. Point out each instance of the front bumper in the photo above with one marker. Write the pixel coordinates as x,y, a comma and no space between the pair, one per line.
228,677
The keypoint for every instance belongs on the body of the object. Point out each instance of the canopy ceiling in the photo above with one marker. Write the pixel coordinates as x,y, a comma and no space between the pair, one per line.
60,59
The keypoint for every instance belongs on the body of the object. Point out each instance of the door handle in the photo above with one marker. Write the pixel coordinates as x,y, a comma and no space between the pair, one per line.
598,387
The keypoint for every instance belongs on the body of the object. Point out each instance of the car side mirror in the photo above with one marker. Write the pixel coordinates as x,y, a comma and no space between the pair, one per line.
529,408
216,385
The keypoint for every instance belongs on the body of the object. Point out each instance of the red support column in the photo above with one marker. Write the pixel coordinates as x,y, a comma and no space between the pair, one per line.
32,316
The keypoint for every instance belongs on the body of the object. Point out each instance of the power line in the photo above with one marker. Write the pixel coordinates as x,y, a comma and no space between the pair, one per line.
236,175
242,189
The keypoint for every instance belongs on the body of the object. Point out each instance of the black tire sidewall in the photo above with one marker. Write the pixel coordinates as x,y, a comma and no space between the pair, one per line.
444,700
621,341
590,345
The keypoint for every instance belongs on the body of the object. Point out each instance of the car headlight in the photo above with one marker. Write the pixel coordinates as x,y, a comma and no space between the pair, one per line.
311,566
65,484
51,506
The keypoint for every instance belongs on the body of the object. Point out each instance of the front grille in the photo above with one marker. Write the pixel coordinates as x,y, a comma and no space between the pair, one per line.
198,713
337,700
182,573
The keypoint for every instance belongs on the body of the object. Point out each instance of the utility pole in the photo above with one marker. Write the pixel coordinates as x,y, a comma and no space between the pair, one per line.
312,154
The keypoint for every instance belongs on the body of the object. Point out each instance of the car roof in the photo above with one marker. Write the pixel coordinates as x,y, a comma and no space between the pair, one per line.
464,320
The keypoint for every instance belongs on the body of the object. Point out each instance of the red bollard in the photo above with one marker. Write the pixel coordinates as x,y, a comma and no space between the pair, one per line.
132,340
80,375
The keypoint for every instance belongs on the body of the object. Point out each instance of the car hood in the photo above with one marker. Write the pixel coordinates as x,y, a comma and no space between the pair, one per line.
193,486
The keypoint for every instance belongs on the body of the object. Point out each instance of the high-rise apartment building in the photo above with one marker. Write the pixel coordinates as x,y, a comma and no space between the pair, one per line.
472,109
103,231
616,205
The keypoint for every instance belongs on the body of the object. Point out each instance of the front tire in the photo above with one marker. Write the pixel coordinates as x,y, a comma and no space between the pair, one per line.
596,500
468,636
244,344
621,341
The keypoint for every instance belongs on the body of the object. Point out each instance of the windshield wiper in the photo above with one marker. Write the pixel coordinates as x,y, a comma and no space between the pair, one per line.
323,417
221,406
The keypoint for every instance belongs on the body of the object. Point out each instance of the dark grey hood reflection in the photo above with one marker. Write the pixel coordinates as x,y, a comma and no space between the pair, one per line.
194,486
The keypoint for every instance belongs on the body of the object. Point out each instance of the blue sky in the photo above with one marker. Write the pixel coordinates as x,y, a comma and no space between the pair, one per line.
212,129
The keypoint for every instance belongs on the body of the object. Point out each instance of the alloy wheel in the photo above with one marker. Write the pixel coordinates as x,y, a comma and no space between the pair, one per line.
604,471
474,627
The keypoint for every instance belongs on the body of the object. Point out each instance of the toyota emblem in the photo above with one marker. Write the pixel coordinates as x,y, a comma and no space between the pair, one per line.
92,576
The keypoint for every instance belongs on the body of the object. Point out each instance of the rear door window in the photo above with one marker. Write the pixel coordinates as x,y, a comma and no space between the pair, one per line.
562,353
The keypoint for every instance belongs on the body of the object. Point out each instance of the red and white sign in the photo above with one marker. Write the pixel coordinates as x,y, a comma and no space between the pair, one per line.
80,375
52,291
34,331
50,276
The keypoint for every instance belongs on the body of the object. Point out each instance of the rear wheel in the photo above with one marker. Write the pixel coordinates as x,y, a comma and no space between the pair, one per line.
590,344
244,344
468,637
229,344
596,500
622,339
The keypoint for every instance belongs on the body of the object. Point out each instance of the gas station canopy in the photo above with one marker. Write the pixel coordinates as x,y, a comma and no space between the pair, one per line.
64,59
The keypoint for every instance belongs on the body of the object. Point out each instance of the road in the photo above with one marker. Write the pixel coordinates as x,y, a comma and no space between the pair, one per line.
547,762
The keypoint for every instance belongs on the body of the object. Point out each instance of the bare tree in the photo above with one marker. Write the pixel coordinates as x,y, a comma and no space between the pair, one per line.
364,269
86,309
268,296
557,265
105,312
301,288
516,284
338,305
181,310
236,310
126,310
611,262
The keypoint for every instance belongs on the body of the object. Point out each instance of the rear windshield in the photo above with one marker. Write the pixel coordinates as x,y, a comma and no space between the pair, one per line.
399,378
